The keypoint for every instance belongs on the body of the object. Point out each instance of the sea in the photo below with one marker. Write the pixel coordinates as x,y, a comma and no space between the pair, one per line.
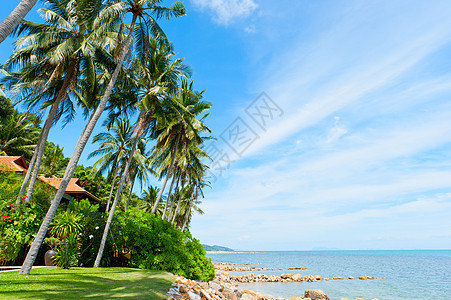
410,274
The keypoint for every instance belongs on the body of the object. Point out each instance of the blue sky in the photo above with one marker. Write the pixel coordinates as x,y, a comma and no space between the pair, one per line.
356,154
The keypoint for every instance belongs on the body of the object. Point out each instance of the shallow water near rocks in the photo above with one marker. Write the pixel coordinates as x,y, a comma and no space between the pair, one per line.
410,274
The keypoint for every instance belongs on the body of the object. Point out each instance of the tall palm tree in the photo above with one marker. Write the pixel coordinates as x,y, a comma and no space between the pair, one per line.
102,20
187,105
113,147
14,18
139,168
50,56
158,75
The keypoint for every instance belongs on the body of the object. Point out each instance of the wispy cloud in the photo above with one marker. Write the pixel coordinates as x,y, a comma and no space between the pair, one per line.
363,146
224,11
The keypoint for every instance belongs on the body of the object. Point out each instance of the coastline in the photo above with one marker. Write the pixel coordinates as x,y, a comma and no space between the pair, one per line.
231,252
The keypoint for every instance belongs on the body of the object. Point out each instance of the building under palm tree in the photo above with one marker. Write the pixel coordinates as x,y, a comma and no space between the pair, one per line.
18,165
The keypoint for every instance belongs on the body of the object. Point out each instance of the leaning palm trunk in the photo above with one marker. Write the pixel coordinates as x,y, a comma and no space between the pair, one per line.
188,210
173,197
33,252
131,191
15,17
174,151
48,124
113,207
169,197
112,188
178,202
28,174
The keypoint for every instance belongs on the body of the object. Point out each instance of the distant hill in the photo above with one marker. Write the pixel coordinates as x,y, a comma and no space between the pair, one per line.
216,248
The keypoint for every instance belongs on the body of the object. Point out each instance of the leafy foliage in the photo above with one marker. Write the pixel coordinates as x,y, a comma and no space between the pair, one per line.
157,245
19,223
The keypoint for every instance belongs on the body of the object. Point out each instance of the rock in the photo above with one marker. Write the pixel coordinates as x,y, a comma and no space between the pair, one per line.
297,277
215,286
183,289
247,296
230,296
193,296
286,276
351,278
316,295
364,277
297,268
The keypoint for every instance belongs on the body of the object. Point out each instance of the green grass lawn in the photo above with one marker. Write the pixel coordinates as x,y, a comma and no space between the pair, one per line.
103,283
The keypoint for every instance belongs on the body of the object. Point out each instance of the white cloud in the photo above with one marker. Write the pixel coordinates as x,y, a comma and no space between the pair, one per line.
374,177
226,10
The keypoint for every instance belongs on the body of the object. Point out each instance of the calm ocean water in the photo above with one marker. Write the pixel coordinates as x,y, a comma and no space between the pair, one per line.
411,274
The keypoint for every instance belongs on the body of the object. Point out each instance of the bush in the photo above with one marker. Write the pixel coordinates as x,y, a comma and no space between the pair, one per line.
19,223
157,245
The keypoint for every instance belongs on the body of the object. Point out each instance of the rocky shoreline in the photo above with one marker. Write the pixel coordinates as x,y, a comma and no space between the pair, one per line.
225,286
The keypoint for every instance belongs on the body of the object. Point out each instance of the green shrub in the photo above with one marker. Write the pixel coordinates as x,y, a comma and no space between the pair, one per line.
19,223
157,245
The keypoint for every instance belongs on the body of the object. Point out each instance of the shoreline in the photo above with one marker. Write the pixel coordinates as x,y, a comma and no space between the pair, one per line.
231,252
229,287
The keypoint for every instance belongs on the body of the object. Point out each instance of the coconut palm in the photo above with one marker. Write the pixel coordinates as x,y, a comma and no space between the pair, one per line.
50,57
53,162
14,18
139,168
102,20
186,106
137,7
18,134
113,147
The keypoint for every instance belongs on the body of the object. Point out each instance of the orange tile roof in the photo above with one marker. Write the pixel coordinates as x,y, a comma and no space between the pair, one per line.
12,163
18,164
72,187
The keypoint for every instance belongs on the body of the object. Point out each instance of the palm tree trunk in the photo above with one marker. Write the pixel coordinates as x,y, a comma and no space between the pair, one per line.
15,17
113,207
33,252
178,202
48,124
131,191
157,201
188,210
28,174
40,150
173,196
169,197
112,187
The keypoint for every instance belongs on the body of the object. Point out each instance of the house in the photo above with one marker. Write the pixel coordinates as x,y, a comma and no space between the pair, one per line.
73,190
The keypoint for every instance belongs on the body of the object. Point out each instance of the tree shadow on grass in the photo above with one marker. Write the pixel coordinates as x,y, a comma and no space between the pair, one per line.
118,284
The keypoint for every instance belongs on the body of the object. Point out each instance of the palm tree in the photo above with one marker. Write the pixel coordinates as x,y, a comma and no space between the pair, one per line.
14,18
18,134
139,168
113,146
50,56
184,124
147,200
158,75
102,20
53,162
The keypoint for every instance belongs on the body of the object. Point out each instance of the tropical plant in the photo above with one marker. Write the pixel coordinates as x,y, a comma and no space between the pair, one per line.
67,225
113,147
159,73
18,132
157,245
53,163
137,9
50,57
